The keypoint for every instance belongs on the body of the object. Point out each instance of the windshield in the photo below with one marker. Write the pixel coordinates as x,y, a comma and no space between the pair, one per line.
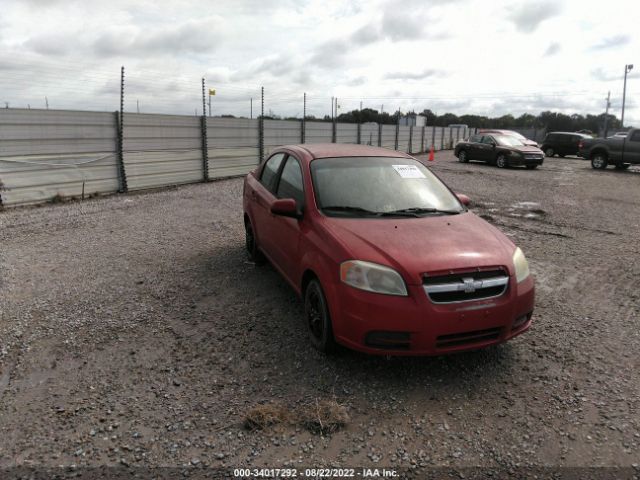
517,135
379,186
508,141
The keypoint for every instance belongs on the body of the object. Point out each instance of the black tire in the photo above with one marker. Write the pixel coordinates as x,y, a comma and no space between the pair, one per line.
462,156
622,166
599,161
531,167
317,318
251,244
549,152
501,161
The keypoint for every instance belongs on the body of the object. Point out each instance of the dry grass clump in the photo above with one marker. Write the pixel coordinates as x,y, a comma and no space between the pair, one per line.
325,416
263,416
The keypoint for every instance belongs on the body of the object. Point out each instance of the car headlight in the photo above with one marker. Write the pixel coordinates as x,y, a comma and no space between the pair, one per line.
372,277
521,265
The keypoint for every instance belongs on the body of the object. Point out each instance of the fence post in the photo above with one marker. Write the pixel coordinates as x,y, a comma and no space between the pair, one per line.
442,140
261,126
410,139
205,146
397,130
433,137
359,133
122,174
304,117
379,134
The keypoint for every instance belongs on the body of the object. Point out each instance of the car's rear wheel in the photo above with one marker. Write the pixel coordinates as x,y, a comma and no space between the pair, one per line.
462,156
317,318
501,161
549,152
599,161
251,244
531,167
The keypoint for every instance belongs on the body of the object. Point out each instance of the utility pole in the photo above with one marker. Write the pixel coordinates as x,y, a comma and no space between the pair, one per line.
137,105
304,115
251,108
627,69
606,115
360,105
46,102
332,109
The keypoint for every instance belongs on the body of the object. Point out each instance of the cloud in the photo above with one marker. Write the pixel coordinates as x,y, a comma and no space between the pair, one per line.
604,76
370,33
527,17
610,42
330,54
397,25
52,44
428,73
552,49
193,36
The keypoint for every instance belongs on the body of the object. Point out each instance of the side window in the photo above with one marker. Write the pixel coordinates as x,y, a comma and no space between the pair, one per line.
635,136
487,139
290,185
270,171
476,139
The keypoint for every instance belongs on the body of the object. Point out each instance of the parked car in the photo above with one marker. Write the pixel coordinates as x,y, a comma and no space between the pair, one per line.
387,259
622,152
513,133
562,143
500,150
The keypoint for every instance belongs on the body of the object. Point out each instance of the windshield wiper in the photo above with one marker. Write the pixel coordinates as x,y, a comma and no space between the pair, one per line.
348,209
417,212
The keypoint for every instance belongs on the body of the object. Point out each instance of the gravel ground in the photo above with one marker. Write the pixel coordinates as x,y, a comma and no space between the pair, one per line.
133,332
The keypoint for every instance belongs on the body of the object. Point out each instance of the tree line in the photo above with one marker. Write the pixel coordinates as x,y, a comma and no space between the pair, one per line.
544,120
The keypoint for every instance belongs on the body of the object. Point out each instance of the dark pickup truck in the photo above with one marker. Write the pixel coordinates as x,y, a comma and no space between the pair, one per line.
618,151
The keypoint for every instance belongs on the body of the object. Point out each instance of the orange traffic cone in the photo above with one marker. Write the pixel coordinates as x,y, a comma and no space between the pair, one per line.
431,155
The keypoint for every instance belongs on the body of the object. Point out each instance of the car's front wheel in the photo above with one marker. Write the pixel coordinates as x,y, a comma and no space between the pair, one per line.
462,156
599,161
549,152
317,318
251,244
501,161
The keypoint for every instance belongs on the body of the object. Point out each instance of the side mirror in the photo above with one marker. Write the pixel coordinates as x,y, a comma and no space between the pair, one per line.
463,199
494,144
285,207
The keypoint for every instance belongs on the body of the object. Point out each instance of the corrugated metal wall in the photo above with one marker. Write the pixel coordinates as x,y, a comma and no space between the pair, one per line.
49,153
281,132
233,146
162,150
388,136
346,133
369,134
318,132
403,138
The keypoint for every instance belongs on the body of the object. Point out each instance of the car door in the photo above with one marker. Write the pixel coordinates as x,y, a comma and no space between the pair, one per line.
474,147
286,234
262,198
632,148
486,148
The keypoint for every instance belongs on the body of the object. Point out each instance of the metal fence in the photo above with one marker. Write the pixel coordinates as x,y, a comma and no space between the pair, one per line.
51,154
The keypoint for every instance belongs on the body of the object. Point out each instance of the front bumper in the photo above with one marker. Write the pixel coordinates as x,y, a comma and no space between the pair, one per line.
413,325
516,160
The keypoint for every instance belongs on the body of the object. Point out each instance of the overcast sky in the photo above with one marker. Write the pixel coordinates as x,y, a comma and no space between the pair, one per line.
464,56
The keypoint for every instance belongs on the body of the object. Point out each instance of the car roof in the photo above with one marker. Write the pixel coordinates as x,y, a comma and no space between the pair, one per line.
311,151
568,133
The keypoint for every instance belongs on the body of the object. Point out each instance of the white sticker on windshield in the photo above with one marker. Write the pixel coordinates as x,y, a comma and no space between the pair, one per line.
409,171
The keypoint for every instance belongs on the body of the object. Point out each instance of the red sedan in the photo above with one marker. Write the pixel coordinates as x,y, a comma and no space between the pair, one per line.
386,257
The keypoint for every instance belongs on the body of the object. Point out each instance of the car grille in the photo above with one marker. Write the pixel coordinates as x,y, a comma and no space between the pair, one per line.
466,286
533,157
389,340
467,338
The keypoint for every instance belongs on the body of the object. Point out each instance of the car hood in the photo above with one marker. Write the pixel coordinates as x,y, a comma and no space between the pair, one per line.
415,246
530,143
524,149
